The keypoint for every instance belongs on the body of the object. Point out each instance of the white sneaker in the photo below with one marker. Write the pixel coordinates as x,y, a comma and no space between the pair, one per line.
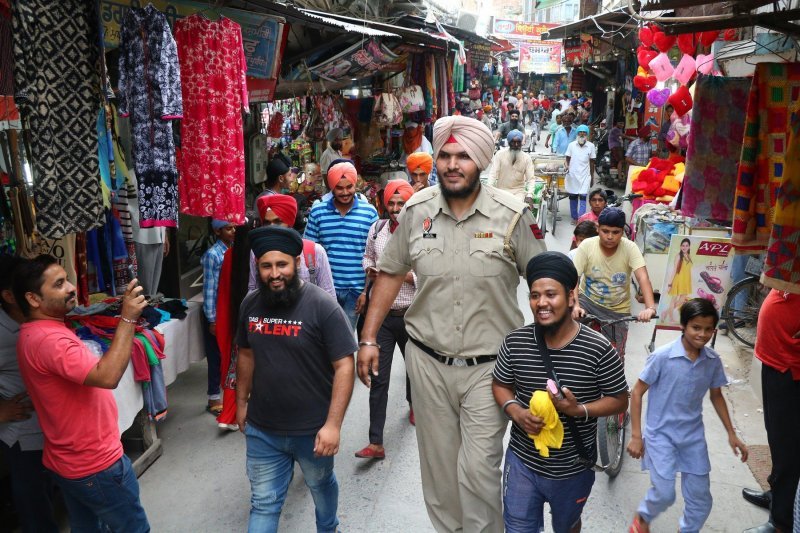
229,427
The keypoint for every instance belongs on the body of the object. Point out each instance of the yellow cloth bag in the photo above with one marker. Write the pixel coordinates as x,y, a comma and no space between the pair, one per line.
552,434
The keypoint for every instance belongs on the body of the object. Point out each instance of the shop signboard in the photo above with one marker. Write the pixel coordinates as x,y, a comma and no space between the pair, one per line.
543,57
521,31
261,34
703,272
358,61
480,54
577,49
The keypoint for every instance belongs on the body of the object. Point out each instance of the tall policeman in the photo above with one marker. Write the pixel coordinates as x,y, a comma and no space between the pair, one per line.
454,237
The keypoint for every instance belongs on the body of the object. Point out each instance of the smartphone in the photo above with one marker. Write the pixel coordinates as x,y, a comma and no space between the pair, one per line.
554,390
132,273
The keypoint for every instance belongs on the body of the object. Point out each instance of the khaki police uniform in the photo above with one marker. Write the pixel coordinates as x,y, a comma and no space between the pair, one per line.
466,302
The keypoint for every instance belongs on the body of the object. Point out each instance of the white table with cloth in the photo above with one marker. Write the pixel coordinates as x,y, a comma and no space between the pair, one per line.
183,339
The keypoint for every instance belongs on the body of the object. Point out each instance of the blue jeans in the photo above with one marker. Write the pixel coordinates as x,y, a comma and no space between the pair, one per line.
107,498
214,361
525,491
577,205
31,488
347,300
270,465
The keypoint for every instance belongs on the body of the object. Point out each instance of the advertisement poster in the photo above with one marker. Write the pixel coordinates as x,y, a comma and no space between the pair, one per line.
262,35
543,57
521,31
577,49
371,56
697,267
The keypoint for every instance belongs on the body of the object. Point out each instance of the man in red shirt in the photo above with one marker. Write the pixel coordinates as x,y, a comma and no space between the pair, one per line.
70,390
778,349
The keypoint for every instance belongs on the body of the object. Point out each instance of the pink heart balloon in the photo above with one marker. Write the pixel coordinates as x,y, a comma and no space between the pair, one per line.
705,63
658,97
661,67
685,69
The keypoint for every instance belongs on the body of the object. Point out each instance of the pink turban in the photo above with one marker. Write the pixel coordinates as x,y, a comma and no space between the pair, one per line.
473,135
283,205
341,171
401,187
419,160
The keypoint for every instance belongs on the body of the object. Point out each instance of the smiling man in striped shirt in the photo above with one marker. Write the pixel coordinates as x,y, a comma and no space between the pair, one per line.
341,225
593,384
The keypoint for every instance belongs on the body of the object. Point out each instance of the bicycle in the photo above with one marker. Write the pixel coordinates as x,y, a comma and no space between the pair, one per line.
741,317
551,169
610,429
618,201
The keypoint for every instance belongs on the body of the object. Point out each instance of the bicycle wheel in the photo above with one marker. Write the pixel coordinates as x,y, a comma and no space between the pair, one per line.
554,206
542,215
742,307
611,442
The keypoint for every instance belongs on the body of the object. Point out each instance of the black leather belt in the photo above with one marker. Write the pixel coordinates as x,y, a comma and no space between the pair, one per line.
398,312
454,361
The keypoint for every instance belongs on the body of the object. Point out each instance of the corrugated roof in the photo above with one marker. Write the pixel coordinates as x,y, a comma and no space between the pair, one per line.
567,30
413,35
352,28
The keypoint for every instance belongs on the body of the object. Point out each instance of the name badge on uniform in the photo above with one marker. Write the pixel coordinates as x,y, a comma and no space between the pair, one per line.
427,225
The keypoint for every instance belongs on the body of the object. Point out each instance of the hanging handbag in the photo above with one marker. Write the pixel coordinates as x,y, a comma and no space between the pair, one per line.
411,99
387,110
314,130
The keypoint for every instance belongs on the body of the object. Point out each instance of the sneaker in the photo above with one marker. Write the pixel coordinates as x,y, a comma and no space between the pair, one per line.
229,427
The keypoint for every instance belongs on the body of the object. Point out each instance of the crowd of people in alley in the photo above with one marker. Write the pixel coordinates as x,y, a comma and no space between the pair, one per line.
291,320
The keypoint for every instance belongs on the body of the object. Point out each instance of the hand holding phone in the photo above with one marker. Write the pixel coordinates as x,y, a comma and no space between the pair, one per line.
132,274
554,390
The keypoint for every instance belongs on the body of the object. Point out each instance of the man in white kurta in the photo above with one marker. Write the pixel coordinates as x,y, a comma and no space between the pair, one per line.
512,169
580,157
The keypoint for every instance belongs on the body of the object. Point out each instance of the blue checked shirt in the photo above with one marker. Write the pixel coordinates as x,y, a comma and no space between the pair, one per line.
212,264
639,151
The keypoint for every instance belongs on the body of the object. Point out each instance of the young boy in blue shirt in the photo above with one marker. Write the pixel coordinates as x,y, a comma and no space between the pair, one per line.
678,376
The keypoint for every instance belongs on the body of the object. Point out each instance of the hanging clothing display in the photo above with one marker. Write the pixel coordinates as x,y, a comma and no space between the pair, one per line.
9,114
761,169
55,67
150,93
211,160
782,266
715,144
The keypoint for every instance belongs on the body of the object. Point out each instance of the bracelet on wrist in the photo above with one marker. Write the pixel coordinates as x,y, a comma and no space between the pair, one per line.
369,343
585,412
509,402
128,320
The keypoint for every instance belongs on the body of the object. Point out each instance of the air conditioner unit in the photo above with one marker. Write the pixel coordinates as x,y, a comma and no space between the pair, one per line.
467,21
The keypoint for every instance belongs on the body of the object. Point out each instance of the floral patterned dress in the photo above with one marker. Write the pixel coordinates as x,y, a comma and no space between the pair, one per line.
150,93
211,160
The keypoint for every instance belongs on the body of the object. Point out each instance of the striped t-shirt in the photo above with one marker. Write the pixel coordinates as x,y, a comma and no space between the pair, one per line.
588,366
344,239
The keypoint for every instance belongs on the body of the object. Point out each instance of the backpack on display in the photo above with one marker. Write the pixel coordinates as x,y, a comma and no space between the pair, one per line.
387,111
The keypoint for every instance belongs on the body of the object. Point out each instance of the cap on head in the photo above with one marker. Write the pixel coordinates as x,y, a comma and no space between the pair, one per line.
613,217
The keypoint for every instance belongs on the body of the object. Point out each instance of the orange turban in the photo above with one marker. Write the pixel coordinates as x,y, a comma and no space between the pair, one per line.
282,205
473,135
341,171
401,187
419,160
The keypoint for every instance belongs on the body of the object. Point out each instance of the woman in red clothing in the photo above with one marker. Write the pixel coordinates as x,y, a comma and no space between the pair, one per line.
233,279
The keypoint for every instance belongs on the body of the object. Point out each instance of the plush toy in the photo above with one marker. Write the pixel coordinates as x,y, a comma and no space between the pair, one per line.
658,97
662,67
687,43
645,55
707,38
705,63
685,69
663,41
681,100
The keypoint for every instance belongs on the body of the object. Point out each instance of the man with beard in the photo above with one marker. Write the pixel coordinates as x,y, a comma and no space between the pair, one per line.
579,162
512,125
69,387
420,170
454,239
512,169
393,329
565,134
592,380
294,380
341,225
334,150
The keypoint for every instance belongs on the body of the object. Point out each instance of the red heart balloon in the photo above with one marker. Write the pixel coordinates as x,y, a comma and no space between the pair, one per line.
681,101
707,38
646,36
663,41
645,56
687,44
730,34
644,83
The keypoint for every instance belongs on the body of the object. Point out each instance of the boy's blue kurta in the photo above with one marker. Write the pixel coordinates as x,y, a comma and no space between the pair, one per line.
674,437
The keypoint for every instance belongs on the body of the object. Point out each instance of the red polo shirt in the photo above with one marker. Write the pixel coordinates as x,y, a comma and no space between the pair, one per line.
778,321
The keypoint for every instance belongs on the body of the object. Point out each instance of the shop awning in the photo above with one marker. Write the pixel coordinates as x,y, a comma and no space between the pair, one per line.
615,19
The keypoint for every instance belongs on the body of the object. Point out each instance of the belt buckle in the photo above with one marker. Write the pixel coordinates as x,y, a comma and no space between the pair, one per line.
459,362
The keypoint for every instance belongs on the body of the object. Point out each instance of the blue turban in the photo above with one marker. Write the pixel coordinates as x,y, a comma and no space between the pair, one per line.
514,135
583,128
612,216
219,224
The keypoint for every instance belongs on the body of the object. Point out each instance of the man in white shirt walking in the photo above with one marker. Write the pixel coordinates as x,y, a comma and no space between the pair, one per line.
580,157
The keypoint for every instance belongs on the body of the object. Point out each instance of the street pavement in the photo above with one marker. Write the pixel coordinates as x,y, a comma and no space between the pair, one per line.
200,483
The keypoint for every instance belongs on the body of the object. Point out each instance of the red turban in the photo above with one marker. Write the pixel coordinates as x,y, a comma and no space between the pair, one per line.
419,160
401,187
282,205
341,171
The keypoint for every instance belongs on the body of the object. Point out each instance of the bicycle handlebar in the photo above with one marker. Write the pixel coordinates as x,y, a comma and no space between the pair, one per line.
590,318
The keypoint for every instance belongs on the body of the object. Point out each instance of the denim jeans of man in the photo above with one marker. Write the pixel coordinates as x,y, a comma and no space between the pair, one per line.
347,300
214,361
108,498
577,205
270,464
31,489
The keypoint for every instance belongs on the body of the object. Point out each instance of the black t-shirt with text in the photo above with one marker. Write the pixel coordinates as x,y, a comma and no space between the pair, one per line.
293,350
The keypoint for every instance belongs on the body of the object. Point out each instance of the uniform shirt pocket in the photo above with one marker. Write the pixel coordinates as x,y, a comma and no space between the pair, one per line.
427,257
486,257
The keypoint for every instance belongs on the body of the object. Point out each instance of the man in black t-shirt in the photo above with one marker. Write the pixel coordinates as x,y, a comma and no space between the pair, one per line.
295,375
593,384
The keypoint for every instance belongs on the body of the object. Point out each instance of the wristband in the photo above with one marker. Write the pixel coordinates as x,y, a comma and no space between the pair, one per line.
507,403
128,320
368,343
585,412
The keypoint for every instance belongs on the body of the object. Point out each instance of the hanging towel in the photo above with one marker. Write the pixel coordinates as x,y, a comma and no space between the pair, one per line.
552,433
761,168
715,144
782,267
